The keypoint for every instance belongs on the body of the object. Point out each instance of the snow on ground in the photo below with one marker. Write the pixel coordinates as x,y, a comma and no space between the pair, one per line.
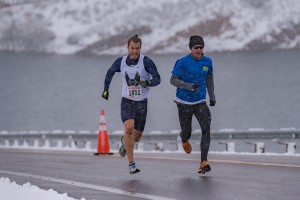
9,190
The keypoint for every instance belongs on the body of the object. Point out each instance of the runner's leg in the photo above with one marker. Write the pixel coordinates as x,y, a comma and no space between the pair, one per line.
128,138
203,116
185,113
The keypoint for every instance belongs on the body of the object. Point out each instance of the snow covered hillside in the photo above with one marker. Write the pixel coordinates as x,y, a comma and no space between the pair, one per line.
103,26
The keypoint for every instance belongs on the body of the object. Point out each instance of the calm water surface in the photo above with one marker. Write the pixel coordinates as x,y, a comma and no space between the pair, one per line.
57,92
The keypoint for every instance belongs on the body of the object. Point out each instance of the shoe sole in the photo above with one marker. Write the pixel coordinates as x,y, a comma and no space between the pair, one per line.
136,171
204,169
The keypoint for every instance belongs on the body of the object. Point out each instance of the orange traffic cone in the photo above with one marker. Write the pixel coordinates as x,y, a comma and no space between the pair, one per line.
103,141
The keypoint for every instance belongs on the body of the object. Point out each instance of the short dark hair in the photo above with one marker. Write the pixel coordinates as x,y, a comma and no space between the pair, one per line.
135,39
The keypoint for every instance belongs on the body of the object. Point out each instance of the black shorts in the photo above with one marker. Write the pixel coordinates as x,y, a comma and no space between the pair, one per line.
136,110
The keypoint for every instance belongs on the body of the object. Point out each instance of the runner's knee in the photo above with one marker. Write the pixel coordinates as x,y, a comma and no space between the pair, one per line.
129,131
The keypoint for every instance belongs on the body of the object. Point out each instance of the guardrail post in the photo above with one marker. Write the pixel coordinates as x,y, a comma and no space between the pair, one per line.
290,147
139,146
88,145
46,143
259,147
6,143
158,146
15,143
35,143
229,146
179,144
71,142
59,144
25,144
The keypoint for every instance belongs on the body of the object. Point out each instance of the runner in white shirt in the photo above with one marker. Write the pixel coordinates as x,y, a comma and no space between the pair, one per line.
138,73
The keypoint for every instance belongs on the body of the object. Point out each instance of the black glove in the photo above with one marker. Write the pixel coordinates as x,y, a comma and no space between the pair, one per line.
212,102
195,87
105,94
192,87
144,84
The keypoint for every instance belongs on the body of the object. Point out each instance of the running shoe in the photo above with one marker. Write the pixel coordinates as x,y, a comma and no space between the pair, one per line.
122,150
204,167
132,168
187,147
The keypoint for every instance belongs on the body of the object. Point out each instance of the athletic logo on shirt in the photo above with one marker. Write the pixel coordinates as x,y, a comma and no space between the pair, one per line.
205,68
133,82
134,90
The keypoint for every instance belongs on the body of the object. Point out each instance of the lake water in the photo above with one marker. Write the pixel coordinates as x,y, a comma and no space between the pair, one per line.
57,92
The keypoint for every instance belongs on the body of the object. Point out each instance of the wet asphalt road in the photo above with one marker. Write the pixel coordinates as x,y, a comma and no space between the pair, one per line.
163,175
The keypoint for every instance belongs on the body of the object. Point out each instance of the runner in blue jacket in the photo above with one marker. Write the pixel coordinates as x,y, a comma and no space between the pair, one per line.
193,76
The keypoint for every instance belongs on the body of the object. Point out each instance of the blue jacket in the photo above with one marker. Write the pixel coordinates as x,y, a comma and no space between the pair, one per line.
191,70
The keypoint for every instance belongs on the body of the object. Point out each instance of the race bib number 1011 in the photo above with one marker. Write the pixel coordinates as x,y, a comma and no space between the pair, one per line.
134,91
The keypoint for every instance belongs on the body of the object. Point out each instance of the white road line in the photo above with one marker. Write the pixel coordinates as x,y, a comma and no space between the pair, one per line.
90,186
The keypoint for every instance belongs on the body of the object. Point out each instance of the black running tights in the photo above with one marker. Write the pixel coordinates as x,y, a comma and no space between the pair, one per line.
202,114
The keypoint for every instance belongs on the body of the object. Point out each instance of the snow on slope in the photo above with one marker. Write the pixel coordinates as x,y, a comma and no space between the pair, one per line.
103,26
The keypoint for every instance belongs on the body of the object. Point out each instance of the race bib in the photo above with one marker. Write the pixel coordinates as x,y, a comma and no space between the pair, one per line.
134,91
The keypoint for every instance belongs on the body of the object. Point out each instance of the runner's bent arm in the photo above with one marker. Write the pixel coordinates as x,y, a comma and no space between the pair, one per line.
182,85
115,67
150,67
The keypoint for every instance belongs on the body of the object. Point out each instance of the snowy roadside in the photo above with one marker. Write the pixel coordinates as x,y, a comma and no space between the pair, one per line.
10,190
